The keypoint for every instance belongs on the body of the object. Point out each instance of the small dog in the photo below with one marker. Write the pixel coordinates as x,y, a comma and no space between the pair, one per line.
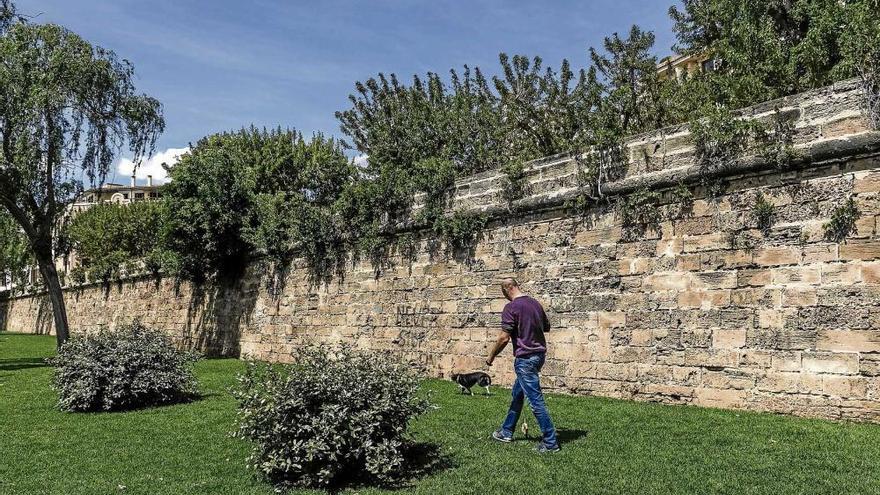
467,380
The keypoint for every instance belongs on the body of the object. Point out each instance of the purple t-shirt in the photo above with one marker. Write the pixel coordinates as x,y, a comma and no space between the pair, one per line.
524,319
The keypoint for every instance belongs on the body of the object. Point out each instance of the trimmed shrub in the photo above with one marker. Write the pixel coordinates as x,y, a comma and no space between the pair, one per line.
328,419
129,368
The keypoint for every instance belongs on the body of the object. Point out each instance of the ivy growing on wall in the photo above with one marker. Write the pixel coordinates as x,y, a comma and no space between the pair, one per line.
460,231
639,212
842,222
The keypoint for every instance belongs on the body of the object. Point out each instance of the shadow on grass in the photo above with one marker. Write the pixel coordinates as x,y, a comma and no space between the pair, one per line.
424,459
420,461
568,436
22,364
142,408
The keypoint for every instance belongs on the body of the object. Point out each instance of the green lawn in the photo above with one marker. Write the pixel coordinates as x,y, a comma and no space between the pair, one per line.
609,446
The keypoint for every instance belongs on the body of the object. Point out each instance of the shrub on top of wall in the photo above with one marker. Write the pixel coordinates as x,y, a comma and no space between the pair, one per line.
125,369
328,419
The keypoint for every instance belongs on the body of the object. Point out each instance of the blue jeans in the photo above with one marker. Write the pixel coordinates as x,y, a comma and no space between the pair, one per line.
528,386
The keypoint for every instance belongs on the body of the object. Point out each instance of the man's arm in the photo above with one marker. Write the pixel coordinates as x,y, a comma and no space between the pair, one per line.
499,345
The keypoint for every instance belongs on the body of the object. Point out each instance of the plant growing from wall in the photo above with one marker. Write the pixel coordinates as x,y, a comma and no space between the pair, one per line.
720,139
776,143
842,222
762,210
513,182
639,211
460,231
592,170
682,201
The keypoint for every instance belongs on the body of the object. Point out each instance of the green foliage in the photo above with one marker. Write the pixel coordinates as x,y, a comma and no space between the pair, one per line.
762,210
776,145
766,49
255,191
433,177
15,256
78,275
513,181
107,237
541,112
68,108
460,231
329,418
640,208
420,138
630,90
861,47
720,139
129,368
842,222
682,201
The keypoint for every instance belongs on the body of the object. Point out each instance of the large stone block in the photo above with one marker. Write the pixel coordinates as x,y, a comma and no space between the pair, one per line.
831,362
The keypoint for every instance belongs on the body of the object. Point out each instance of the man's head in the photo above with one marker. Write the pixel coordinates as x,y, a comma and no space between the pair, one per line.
510,288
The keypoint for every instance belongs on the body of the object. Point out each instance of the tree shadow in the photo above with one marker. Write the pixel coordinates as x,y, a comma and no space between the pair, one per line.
22,364
217,313
182,399
421,460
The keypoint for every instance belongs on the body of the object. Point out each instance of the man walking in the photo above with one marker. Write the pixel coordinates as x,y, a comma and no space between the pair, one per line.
524,322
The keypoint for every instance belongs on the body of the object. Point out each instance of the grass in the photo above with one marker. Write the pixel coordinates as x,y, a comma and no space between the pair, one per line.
610,446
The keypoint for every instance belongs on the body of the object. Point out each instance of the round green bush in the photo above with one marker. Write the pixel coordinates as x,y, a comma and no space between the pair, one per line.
129,368
329,419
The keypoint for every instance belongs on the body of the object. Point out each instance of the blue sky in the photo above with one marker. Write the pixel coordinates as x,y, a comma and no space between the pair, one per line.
223,64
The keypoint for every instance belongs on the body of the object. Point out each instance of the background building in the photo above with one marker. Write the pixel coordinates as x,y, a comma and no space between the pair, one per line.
116,194
681,66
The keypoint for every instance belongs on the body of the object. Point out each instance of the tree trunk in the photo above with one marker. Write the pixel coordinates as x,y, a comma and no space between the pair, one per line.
56,296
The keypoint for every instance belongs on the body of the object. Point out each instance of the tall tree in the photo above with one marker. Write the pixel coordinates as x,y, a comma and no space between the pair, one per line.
67,109
254,191
630,89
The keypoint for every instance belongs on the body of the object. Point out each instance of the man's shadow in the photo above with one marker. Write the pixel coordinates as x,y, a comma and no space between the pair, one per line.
568,436
563,436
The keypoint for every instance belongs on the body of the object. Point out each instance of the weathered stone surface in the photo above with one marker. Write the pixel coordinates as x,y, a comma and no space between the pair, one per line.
703,308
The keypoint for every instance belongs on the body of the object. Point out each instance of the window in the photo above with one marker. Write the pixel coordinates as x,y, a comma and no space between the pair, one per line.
139,195
124,195
709,65
154,195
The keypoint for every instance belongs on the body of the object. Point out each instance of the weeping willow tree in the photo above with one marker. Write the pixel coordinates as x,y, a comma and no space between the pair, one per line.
67,109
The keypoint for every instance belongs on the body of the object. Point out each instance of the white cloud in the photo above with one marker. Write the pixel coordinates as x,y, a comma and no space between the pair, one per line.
152,166
360,161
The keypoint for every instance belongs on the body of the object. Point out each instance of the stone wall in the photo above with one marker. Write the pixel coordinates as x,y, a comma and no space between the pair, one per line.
701,308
